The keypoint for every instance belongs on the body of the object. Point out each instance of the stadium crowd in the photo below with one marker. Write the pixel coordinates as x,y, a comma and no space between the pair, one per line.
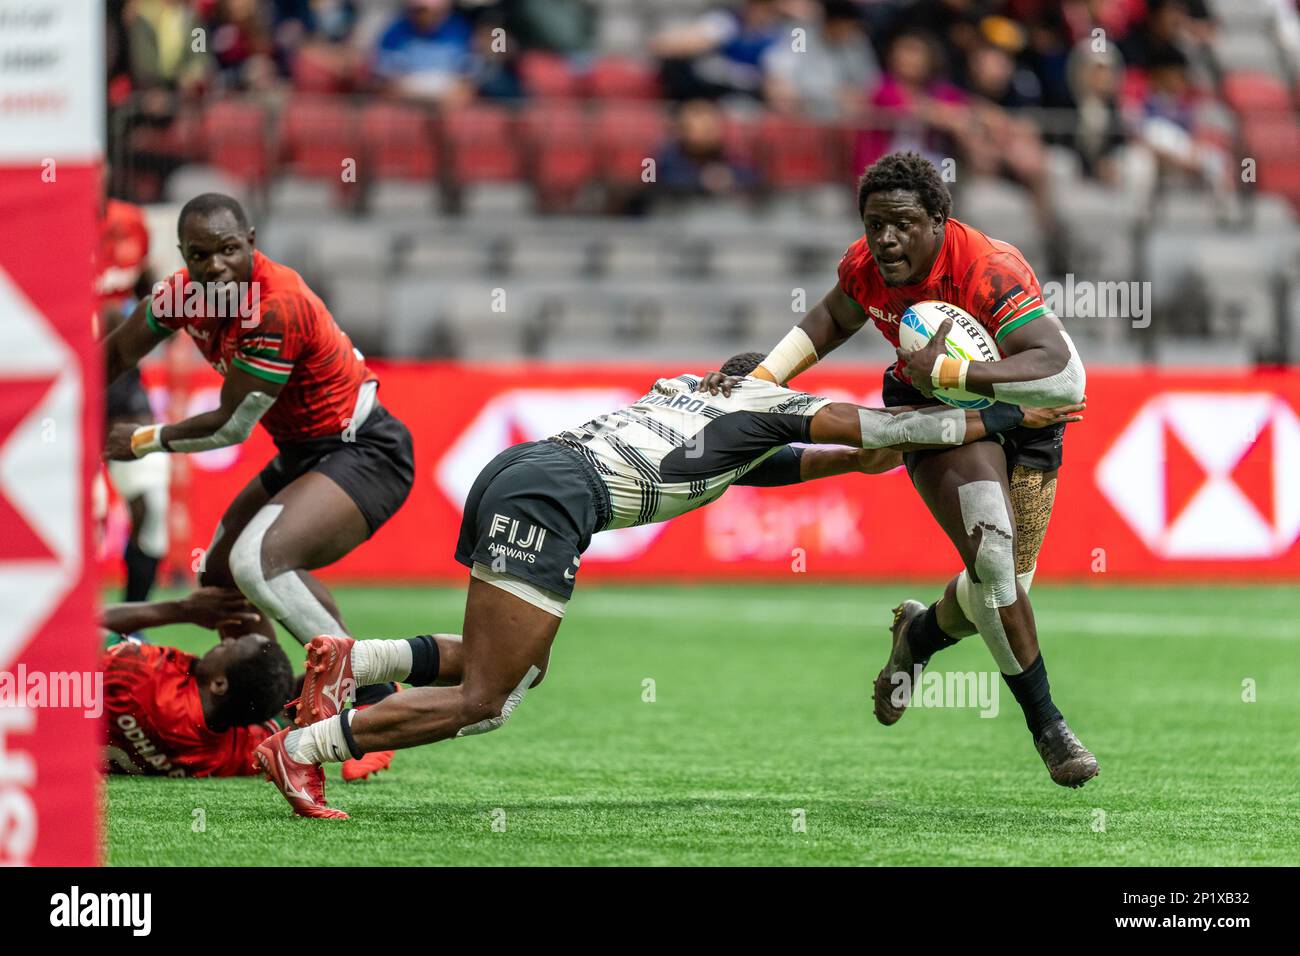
1135,105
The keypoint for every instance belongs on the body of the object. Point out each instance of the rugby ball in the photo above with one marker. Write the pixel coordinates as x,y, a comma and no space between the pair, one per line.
967,339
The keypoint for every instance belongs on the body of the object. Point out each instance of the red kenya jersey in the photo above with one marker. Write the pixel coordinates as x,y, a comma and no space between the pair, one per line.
155,718
283,333
121,254
988,278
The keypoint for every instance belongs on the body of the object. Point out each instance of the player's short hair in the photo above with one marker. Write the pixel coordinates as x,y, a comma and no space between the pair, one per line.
258,685
205,204
909,171
742,364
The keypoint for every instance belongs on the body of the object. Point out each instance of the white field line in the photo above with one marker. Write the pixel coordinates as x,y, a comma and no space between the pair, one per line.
753,609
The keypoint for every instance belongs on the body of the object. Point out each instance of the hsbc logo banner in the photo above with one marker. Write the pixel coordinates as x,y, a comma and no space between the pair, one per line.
1204,475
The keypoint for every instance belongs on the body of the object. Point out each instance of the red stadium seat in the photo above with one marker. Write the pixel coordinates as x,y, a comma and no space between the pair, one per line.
794,153
1248,92
316,135
561,150
626,135
547,76
235,140
399,142
740,137
1283,178
1271,135
623,78
481,145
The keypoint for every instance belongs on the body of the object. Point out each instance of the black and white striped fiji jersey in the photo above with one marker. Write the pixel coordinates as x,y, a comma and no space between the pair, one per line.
675,449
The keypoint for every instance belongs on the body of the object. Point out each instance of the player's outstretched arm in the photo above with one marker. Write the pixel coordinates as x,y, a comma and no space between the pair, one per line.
245,398
206,607
841,423
128,342
1040,368
827,325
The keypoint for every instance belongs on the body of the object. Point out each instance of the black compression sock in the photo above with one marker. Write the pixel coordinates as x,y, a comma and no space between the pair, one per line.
141,569
424,661
925,636
374,693
1032,692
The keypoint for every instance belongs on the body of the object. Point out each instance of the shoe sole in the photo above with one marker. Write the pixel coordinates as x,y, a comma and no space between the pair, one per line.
884,709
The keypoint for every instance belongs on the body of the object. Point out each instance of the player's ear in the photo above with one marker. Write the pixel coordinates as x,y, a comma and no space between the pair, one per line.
252,236
219,686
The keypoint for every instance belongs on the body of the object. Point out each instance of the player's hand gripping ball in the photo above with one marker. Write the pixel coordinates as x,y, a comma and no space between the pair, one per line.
962,338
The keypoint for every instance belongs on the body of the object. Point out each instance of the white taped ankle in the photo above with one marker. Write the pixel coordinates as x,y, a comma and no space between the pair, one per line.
381,661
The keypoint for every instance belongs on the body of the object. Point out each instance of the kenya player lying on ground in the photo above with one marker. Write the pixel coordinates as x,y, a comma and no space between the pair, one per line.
173,714
531,514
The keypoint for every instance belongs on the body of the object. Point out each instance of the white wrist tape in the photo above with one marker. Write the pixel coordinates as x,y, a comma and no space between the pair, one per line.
792,355
945,426
1064,388
237,427
146,439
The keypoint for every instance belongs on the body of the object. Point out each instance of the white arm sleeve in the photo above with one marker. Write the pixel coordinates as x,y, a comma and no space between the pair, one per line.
921,427
237,427
1063,388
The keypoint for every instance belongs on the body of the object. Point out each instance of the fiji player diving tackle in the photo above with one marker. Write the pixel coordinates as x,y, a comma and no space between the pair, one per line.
531,514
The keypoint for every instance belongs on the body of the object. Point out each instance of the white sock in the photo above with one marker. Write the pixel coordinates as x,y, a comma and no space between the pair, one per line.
321,742
379,662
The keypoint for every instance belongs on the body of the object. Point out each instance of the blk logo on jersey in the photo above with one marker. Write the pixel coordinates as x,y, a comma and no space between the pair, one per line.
1203,475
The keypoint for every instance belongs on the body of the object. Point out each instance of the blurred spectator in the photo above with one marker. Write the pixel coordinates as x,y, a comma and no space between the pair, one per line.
1099,131
998,142
1168,126
914,108
696,163
161,37
313,41
992,72
567,27
722,53
242,46
426,53
830,75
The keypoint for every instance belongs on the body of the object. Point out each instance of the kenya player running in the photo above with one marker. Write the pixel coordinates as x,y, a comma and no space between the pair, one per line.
530,515
345,464
913,251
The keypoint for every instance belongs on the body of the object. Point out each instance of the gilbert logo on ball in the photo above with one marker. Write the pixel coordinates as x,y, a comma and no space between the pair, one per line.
967,339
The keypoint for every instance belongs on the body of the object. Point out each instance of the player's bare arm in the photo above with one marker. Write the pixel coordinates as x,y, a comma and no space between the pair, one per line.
1040,366
128,342
245,398
207,607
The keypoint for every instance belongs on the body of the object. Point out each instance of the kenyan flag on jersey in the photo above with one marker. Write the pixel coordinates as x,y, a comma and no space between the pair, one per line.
259,355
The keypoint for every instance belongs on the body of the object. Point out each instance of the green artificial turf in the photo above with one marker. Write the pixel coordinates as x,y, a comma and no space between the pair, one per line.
762,709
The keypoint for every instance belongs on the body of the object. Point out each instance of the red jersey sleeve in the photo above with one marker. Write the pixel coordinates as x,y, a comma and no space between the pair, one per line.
850,273
1003,293
166,311
270,346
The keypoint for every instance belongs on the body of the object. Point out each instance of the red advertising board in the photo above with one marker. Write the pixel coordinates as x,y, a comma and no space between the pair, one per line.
49,434
51,120
1172,476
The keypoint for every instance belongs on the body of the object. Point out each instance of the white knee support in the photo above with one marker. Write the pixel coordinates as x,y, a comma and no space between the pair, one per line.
984,510
512,701
284,598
